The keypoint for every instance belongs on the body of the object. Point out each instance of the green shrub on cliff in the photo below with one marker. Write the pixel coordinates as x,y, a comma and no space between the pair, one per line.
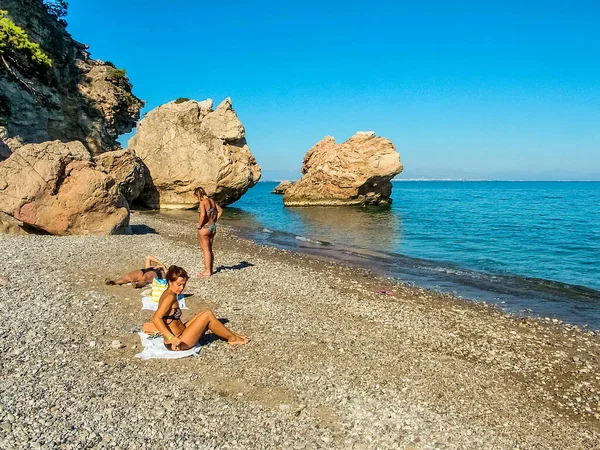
13,40
115,74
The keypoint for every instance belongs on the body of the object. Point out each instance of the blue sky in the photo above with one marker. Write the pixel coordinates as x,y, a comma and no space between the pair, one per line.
502,90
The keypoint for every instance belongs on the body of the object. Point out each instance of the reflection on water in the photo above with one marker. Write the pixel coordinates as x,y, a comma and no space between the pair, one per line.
265,217
238,217
372,228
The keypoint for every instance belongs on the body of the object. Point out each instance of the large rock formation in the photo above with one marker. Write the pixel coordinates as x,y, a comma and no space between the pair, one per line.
127,169
282,187
357,172
55,187
185,144
78,98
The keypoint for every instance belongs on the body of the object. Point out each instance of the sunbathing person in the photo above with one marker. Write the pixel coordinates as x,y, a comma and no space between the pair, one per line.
153,268
183,336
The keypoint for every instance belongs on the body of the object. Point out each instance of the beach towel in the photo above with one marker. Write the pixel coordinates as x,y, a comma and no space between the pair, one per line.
155,348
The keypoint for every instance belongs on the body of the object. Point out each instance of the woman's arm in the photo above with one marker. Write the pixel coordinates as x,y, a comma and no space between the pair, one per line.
151,261
202,209
164,306
219,210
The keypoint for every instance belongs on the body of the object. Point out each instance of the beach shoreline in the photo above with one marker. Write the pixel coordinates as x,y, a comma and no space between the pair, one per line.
339,357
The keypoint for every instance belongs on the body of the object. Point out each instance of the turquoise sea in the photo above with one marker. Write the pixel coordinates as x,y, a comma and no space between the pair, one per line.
532,248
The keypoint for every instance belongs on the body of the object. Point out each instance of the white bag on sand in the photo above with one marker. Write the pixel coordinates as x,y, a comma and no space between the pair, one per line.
155,348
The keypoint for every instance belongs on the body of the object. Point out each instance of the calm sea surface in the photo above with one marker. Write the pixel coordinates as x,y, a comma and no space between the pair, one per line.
532,248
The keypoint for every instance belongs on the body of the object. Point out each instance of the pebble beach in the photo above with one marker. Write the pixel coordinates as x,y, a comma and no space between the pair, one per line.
338,358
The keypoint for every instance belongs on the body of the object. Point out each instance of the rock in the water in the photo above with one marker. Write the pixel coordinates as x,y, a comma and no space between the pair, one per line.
186,145
127,169
78,98
282,187
55,187
357,172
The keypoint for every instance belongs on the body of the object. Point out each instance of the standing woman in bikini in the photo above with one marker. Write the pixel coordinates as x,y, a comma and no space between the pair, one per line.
183,336
210,212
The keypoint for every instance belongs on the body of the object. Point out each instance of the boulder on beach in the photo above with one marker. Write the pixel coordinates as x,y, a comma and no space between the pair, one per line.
282,187
127,169
186,144
357,172
55,187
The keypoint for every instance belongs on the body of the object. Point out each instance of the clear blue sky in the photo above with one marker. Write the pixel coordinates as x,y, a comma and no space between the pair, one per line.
476,89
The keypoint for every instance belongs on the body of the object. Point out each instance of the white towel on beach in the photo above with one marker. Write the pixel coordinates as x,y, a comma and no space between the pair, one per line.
155,348
148,303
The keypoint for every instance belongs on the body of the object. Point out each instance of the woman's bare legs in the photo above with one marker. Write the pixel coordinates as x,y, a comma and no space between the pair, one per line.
131,277
195,328
205,238
212,255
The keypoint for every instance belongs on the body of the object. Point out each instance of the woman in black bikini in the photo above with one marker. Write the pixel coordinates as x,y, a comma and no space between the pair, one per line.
153,268
210,212
177,334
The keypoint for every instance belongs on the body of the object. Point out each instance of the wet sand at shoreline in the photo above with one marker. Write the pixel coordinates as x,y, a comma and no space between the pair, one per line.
333,363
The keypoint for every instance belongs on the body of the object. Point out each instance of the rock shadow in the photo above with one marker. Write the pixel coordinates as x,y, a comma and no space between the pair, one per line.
142,229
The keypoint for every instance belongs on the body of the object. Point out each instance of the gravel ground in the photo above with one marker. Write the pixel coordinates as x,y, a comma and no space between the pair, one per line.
332,363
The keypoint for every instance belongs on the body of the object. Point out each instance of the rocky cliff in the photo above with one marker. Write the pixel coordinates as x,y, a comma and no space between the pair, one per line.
77,98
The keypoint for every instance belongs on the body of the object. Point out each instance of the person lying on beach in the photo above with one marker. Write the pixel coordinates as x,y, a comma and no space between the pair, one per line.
210,212
183,336
153,268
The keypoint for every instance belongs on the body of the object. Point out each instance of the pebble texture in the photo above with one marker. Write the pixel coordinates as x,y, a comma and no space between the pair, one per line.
332,363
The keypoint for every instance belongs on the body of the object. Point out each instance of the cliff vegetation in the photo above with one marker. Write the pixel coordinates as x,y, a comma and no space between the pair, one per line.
51,89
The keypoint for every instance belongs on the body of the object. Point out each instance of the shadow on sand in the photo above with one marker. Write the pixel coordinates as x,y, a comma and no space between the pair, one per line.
209,337
239,266
142,229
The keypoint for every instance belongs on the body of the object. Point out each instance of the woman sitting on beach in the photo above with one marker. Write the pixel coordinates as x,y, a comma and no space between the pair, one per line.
139,278
210,212
183,336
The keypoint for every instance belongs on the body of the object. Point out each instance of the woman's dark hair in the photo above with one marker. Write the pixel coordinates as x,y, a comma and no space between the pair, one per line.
200,192
175,272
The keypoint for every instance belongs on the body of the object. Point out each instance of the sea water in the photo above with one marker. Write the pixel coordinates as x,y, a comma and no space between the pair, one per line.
532,248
